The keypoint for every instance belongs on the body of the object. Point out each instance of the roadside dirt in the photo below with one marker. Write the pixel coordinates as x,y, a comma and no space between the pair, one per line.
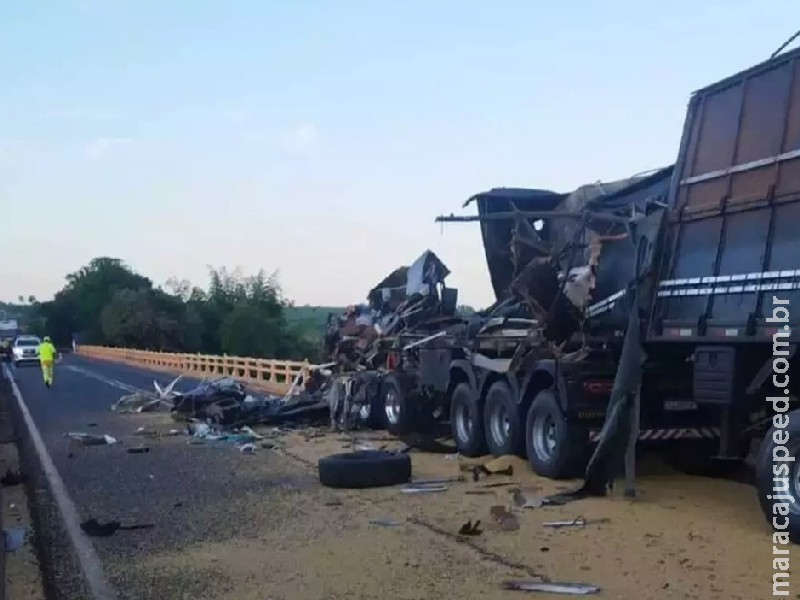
23,573
684,537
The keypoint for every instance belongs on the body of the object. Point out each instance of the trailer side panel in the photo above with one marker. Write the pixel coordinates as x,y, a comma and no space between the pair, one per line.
735,209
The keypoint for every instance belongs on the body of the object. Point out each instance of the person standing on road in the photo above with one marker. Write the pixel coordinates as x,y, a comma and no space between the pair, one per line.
47,354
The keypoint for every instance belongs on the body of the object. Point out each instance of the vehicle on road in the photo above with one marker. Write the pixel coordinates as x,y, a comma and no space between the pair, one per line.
718,327
25,350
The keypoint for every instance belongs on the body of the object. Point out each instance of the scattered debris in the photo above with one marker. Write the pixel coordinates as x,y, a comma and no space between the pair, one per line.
247,449
439,481
576,522
470,528
577,589
504,518
15,538
385,522
12,478
523,500
88,439
94,528
424,489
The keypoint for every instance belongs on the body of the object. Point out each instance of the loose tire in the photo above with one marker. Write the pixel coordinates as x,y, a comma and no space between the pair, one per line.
765,479
502,423
556,448
466,421
367,469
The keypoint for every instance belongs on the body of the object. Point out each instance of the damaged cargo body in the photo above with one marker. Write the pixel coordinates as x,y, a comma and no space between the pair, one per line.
374,349
541,367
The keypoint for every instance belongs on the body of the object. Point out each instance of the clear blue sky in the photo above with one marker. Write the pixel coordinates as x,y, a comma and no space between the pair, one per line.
321,138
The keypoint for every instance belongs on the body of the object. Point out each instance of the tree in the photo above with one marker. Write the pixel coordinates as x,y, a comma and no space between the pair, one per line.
107,303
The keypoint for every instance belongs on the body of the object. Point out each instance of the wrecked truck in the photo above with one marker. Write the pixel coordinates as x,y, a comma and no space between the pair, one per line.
370,348
704,340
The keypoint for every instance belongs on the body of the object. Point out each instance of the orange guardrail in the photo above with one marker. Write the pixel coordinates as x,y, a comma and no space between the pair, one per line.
274,376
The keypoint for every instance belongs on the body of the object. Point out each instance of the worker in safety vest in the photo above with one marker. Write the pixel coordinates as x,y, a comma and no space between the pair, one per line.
47,355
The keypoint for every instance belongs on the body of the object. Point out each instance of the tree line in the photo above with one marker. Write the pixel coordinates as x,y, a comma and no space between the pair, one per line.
108,303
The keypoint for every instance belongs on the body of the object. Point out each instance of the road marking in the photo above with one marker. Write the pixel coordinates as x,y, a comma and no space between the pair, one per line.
92,569
111,382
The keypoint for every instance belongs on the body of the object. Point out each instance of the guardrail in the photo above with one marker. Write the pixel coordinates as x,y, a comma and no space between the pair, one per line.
274,376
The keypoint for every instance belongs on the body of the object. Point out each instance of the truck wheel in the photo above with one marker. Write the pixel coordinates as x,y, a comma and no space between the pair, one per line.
557,449
766,480
396,405
466,422
502,422
366,469
372,414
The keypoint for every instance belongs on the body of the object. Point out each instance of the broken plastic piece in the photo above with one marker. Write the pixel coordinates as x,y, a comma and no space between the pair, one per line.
577,589
247,449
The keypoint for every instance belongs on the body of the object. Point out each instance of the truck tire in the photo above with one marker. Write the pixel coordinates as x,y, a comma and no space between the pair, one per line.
365,469
397,405
765,483
557,448
466,421
373,413
502,422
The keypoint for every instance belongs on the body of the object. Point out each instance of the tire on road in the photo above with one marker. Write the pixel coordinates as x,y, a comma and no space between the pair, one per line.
765,483
505,433
365,469
557,448
466,421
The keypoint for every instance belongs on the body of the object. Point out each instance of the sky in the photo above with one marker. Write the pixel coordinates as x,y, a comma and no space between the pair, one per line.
320,138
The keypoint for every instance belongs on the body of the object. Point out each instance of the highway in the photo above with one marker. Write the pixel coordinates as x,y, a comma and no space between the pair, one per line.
231,526
185,491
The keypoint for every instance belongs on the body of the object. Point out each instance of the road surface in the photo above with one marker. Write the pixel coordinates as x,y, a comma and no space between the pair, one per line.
228,526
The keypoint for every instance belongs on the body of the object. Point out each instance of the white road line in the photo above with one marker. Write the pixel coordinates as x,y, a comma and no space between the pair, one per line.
91,566
111,382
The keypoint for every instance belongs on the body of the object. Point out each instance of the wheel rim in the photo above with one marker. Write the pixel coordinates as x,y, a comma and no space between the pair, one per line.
544,437
392,409
463,423
499,425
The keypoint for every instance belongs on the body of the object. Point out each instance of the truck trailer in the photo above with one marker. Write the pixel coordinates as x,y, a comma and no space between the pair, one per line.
677,285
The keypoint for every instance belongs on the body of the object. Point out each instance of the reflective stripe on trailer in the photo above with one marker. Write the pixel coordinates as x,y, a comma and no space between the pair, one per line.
696,433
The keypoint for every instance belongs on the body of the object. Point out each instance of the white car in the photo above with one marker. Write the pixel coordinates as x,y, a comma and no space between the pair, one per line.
25,349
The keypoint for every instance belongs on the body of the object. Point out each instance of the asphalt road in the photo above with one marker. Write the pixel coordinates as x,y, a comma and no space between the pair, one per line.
185,491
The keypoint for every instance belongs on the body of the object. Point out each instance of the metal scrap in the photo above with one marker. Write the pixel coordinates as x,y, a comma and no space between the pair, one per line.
576,522
576,589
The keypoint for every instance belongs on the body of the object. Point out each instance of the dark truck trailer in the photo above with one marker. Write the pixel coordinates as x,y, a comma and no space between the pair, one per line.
729,206
728,298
